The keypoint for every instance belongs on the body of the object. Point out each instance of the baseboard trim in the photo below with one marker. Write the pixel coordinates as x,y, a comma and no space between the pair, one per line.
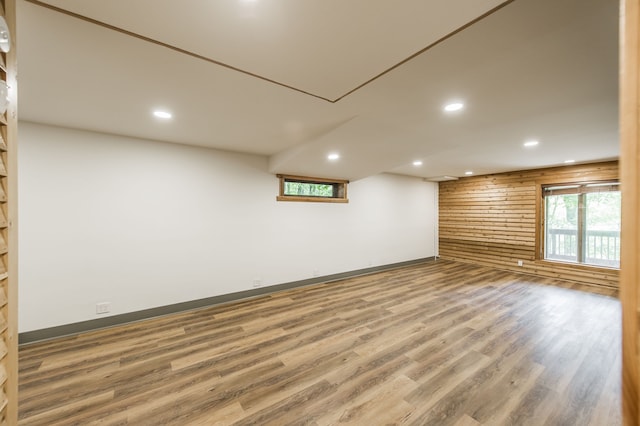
35,336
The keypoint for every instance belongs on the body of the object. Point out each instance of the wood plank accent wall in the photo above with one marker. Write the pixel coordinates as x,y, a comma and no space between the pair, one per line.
8,229
493,220
630,175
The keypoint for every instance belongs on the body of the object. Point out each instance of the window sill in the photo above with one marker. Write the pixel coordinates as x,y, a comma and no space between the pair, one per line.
311,199
579,266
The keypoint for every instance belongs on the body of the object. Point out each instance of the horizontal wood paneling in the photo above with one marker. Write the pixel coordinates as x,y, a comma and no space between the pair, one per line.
493,220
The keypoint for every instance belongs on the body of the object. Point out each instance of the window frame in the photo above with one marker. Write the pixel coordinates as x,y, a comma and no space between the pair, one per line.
541,218
341,192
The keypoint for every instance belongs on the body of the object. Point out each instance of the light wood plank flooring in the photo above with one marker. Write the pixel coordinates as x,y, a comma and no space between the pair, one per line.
439,343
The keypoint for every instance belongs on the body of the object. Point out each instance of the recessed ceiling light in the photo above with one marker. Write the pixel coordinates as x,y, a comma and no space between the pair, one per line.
468,173
417,163
529,144
162,114
569,161
453,106
333,156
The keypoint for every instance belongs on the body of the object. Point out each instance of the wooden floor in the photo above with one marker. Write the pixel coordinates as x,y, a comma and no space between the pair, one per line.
435,344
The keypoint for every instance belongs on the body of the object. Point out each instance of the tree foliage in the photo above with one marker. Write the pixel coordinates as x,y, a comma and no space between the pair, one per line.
307,189
603,211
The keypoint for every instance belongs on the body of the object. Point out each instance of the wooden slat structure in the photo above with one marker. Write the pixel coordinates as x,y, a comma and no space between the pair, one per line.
494,220
630,174
8,229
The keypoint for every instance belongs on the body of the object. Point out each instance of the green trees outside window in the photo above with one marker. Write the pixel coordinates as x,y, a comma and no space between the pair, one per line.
582,224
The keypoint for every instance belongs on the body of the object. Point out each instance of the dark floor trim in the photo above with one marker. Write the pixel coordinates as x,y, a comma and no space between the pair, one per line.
114,320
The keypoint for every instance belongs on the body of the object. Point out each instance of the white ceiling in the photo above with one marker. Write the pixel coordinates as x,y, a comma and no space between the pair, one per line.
297,79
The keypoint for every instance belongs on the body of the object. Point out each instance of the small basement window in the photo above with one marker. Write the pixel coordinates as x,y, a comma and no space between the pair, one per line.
310,189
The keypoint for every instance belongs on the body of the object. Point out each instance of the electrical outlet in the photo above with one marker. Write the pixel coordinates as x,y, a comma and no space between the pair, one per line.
257,283
103,308
520,263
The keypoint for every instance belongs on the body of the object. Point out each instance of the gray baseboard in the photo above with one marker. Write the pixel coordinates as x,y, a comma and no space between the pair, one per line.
114,320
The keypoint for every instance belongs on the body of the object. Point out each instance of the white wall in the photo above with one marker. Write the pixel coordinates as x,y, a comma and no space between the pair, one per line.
142,224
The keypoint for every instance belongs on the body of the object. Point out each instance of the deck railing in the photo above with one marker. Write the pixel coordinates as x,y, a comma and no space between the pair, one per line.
600,247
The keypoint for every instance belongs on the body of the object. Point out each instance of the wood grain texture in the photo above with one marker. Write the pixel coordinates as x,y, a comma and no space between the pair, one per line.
630,166
494,220
8,230
440,343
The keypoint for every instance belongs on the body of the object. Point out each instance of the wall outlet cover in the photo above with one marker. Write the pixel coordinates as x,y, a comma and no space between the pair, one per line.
103,308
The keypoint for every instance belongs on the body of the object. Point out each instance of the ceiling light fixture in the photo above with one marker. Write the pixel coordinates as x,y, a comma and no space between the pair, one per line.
5,36
417,163
453,106
468,173
333,156
569,161
162,114
530,144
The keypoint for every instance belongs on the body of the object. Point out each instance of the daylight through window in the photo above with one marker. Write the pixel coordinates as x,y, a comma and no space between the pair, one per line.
298,188
582,223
